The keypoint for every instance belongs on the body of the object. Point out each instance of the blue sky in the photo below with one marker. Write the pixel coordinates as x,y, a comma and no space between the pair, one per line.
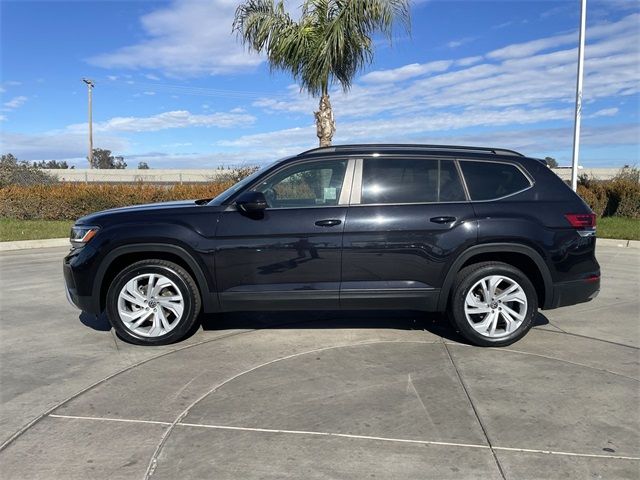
174,88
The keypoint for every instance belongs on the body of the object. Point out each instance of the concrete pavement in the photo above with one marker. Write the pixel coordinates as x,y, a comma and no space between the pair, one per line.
350,395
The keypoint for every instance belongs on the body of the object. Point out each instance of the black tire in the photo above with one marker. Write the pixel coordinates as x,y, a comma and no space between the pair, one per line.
180,277
466,279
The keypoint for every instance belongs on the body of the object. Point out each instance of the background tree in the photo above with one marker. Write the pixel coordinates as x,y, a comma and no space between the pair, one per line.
104,159
330,43
551,162
52,164
143,166
17,172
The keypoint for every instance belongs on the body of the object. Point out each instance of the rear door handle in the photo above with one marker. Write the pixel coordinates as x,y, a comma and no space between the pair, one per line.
443,219
328,223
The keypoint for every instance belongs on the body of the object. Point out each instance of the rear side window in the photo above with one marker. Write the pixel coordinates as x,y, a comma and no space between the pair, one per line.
488,180
401,180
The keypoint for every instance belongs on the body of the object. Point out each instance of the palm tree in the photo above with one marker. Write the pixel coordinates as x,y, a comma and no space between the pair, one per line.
330,42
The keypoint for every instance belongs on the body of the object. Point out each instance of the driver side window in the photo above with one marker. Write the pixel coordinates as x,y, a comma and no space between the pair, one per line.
310,184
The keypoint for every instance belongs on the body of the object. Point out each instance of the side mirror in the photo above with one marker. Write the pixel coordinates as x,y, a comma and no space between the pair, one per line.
251,202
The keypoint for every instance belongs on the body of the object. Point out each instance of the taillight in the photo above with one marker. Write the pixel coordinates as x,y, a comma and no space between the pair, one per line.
581,220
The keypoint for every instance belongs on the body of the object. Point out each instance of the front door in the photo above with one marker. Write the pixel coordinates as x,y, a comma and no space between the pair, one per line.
408,218
290,257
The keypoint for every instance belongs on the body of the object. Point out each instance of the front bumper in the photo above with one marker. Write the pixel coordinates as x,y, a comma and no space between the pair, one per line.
82,302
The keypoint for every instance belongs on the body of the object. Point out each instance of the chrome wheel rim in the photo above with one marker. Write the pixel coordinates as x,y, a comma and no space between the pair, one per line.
495,306
150,305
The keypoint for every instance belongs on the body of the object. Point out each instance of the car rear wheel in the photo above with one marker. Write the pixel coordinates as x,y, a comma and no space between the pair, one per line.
153,302
493,304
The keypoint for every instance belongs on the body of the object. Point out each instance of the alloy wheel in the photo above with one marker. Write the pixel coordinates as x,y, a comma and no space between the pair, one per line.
150,305
495,306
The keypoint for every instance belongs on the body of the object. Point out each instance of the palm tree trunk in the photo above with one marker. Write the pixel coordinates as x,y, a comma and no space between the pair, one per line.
325,124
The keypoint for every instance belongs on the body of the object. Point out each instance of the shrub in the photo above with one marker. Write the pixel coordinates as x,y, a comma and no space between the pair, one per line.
595,196
619,196
68,201
623,193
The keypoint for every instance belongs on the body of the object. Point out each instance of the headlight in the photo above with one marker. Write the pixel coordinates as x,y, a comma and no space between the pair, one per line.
81,234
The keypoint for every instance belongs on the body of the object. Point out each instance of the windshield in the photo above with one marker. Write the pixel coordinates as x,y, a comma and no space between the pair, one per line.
229,192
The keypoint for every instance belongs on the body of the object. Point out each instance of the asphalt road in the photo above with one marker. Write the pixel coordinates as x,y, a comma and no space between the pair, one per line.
300,395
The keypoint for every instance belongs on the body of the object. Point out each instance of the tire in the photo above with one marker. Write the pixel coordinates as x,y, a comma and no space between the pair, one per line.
474,316
160,317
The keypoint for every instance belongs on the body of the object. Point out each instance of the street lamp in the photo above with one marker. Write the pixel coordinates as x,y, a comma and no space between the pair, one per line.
90,86
578,112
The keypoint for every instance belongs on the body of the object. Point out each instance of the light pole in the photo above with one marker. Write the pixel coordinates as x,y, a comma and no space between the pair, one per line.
90,86
578,114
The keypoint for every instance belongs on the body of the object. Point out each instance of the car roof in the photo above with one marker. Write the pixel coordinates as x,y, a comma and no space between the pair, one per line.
416,149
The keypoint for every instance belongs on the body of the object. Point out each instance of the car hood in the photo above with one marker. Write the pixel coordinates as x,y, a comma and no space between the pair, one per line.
135,210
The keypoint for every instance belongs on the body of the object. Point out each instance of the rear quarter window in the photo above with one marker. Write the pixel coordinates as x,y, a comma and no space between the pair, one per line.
491,180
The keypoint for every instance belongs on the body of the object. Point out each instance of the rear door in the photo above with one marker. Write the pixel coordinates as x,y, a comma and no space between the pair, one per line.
289,258
408,218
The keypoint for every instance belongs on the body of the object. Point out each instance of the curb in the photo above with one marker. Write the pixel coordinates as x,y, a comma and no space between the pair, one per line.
29,244
612,242
64,242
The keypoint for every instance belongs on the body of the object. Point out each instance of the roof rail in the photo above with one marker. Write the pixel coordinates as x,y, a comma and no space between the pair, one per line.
462,148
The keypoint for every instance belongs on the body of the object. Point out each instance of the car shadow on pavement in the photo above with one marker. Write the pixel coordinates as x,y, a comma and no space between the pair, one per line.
434,323
437,324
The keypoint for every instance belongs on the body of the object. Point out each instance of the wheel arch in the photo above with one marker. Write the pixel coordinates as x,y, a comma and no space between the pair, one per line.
520,256
120,257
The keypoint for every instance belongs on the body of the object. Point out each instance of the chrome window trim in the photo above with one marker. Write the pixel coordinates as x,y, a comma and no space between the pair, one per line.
347,183
356,189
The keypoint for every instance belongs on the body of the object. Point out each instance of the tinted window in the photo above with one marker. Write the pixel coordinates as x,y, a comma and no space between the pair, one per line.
487,180
305,185
410,181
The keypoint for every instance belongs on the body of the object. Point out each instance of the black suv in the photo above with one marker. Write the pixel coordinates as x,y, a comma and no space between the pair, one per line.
487,235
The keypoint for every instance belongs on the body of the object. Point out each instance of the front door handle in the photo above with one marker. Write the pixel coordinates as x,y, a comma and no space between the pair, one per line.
443,219
328,223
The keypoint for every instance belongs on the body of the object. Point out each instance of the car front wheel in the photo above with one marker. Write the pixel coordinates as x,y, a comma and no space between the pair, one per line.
493,304
153,302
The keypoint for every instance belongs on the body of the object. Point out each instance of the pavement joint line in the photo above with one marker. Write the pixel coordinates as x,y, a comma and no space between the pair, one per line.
108,419
475,410
347,435
564,332
154,457
521,352
48,412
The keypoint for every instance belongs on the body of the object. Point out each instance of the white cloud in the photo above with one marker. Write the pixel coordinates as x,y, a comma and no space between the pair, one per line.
149,93
593,32
540,80
406,72
56,145
468,61
3,118
15,102
416,102
189,37
459,42
166,120
605,112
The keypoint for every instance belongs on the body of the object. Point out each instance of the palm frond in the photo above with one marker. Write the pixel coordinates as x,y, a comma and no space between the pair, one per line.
331,41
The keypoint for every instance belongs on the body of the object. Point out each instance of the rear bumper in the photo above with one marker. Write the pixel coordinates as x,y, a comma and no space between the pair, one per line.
573,292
